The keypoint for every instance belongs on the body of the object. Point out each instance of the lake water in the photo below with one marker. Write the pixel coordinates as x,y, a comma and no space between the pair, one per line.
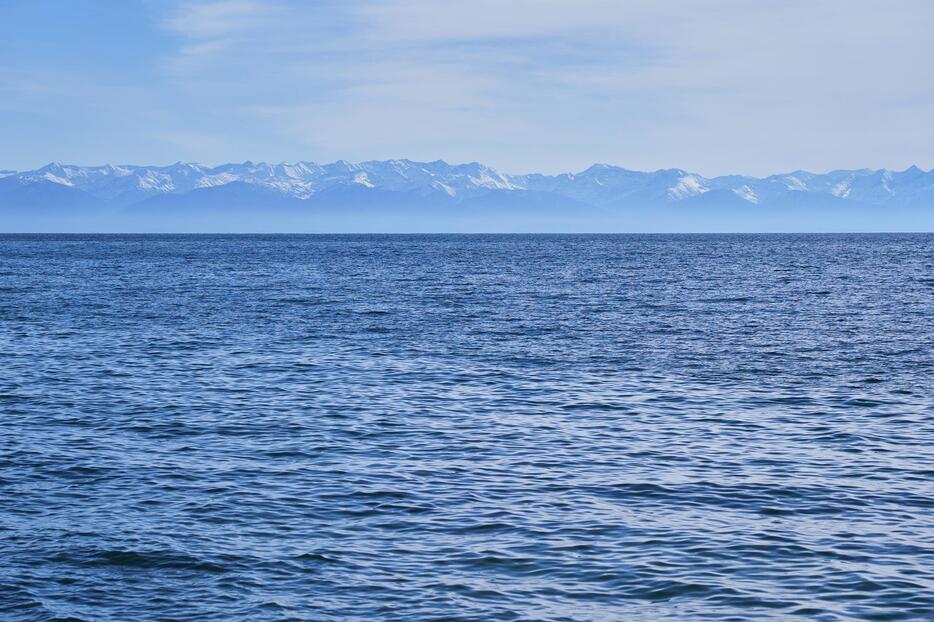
211,428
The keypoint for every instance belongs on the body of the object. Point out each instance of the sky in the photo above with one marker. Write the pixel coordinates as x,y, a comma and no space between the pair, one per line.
712,86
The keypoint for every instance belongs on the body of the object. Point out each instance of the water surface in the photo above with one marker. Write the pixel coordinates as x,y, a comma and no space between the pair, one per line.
466,428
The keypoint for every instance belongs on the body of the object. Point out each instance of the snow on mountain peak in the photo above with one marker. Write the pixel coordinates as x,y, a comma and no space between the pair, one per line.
600,185
216,180
363,180
842,189
448,190
487,178
55,179
794,184
746,193
687,186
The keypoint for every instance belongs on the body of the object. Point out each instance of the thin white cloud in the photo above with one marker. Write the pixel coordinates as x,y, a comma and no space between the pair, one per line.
219,19
715,85
216,30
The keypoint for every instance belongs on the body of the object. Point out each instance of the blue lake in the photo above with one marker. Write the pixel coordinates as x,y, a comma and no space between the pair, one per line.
216,428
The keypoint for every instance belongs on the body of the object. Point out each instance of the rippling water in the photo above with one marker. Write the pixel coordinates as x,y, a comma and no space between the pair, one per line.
466,428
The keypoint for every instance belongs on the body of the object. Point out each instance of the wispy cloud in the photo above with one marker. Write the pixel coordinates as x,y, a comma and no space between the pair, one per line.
211,29
713,85
218,19
552,84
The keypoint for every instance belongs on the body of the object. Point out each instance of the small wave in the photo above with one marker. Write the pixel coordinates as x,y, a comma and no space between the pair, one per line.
140,560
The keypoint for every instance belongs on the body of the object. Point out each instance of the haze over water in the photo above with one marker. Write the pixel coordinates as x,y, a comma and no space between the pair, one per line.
555,428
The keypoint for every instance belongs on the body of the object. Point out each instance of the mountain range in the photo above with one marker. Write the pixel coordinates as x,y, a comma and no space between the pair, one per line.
407,196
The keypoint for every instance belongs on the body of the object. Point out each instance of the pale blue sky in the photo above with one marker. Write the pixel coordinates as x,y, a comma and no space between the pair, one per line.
714,86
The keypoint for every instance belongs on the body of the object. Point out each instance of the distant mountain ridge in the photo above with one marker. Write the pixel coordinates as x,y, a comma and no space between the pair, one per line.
408,195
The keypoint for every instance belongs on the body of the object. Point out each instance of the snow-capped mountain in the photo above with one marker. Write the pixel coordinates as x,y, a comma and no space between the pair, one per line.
437,191
130,184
